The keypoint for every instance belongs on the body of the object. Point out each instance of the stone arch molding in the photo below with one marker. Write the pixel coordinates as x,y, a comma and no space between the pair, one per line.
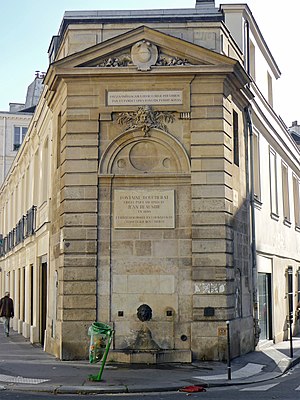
133,153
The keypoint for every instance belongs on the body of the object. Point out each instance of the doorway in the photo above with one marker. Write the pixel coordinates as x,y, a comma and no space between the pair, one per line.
43,311
265,306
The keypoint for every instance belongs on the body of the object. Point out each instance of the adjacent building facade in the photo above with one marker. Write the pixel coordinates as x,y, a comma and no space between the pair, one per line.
138,198
14,124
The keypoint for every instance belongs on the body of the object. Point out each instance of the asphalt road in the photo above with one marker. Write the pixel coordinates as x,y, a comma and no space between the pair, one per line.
285,388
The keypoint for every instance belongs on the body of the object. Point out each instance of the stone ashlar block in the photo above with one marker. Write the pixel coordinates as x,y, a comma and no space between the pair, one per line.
152,234
217,273
122,248
76,219
77,233
216,205
211,178
143,248
211,164
83,127
82,153
207,112
121,234
78,166
79,193
212,232
215,300
185,248
221,314
78,140
213,218
212,246
88,87
212,260
210,138
210,151
105,208
86,301
80,206
210,99
78,288
204,87
78,273
211,192
85,101
165,248
78,315
79,246
82,114
207,125
184,233
76,179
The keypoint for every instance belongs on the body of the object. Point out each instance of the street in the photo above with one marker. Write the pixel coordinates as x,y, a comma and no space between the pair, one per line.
285,388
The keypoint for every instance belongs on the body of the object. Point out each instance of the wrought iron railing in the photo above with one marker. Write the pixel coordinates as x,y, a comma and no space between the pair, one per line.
24,228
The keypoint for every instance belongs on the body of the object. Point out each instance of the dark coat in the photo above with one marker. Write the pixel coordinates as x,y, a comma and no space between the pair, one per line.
6,307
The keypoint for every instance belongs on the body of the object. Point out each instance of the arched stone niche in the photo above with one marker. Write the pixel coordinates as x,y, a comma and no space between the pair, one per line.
131,153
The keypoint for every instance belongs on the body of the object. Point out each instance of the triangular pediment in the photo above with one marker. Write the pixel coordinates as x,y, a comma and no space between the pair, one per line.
143,48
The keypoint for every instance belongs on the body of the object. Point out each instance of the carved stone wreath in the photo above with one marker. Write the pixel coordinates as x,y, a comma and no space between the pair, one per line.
146,119
143,55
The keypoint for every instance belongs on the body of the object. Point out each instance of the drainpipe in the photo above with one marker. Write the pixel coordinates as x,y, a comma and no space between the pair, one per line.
253,230
4,147
246,47
110,244
97,227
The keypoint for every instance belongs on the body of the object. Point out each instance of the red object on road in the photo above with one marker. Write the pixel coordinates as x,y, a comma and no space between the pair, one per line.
193,389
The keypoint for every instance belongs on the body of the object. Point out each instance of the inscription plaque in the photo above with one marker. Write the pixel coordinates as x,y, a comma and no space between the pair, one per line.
144,209
151,97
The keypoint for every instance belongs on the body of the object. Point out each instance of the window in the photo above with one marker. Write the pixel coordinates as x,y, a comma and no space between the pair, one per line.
270,89
252,60
285,193
256,169
298,292
45,171
296,200
273,183
19,134
58,146
236,155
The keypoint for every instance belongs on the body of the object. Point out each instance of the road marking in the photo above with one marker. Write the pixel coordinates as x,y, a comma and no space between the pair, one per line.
245,372
262,388
298,388
20,379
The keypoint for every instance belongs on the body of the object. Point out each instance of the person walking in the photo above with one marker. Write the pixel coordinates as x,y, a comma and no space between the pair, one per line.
6,311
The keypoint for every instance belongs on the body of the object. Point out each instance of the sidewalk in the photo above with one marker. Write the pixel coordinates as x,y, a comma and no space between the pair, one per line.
25,367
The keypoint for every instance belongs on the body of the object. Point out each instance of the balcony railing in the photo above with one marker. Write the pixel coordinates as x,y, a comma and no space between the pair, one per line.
24,228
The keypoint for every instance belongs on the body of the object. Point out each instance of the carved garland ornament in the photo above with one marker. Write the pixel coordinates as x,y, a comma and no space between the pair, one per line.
144,55
145,119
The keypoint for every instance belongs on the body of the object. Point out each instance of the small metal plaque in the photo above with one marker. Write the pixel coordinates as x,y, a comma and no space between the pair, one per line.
209,311
222,331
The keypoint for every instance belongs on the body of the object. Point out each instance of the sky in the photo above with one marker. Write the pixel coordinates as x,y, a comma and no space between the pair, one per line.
26,29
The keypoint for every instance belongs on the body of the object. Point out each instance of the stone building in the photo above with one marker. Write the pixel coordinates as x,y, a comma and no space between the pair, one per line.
14,124
137,199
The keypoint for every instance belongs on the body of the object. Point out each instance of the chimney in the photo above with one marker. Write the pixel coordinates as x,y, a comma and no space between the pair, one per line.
294,123
200,3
